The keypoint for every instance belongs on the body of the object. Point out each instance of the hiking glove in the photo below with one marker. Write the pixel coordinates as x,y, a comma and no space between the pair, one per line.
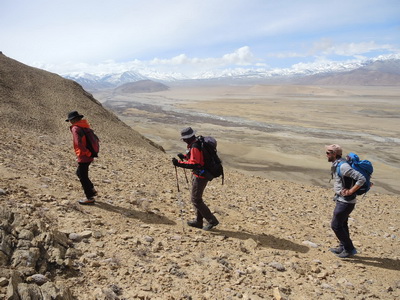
175,162
181,156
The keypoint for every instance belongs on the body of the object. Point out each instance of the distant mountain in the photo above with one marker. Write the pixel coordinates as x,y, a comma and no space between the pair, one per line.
379,71
94,82
141,86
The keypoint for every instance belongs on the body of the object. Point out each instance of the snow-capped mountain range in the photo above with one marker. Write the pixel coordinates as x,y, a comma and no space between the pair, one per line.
386,64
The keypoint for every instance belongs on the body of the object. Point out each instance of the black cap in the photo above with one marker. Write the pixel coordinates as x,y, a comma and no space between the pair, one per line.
72,115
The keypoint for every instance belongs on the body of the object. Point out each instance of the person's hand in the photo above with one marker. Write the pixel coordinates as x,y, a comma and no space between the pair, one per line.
181,156
175,162
345,192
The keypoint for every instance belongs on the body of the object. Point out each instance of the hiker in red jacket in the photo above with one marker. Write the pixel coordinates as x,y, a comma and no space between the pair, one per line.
83,155
194,160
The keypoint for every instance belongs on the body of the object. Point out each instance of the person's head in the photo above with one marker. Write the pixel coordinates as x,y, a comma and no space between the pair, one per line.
188,135
74,117
333,152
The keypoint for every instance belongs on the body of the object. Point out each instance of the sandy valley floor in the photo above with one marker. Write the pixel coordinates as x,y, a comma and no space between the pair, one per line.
278,132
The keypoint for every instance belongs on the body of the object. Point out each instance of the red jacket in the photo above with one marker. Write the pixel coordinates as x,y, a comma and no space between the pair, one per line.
195,159
79,138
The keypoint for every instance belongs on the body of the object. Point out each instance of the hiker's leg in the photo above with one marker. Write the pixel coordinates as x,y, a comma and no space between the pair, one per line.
83,174
340,226
202,210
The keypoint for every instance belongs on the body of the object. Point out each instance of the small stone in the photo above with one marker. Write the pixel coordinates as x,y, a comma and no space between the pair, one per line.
86,234
97,234
37,278
278,266
310,244
95,264
315,269
26,235
148,239
277,294
3,281
74,236
326,286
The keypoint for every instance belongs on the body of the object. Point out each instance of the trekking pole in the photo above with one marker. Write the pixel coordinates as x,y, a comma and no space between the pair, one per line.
187,181
180,201
176,175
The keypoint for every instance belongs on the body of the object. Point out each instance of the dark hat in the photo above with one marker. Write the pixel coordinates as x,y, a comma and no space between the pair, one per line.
187,133
72,115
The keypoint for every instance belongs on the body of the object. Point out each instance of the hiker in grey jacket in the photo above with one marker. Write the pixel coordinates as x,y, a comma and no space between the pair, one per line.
345,188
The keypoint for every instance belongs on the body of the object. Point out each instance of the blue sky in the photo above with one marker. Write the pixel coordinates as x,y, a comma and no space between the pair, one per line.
192,36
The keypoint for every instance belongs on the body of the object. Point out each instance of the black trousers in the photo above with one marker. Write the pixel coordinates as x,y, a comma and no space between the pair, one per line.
339,224
83,174
202,210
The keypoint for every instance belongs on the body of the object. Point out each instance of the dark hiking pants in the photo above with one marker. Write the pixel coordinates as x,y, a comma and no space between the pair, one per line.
83,174
339,224
202,210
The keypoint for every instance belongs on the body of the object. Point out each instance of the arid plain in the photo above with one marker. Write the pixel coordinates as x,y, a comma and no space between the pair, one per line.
275,131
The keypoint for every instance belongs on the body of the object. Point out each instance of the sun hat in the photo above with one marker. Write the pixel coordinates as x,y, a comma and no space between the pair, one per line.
72,115
334,148
187,133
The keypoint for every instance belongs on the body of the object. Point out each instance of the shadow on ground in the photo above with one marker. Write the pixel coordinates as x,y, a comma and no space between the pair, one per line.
379,262
145,217
264,240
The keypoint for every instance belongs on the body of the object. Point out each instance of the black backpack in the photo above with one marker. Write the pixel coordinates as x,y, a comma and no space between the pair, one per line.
212,163
92,141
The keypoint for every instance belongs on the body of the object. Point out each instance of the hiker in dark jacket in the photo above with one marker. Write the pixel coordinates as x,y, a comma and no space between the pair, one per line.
345,188
194,160
83,155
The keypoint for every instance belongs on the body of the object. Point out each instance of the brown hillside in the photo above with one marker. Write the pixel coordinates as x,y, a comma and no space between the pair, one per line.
272,241
33,99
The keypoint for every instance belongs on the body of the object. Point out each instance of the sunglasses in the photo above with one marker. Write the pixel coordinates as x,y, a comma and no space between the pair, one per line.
329,153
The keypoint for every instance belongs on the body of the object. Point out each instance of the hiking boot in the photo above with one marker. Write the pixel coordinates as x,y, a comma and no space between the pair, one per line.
346,254
337,250
211,225
88,201
195,224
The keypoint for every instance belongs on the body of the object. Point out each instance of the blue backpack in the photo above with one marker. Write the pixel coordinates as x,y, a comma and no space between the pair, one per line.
363,166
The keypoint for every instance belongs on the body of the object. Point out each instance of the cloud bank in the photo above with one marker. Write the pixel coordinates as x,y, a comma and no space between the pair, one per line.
195,36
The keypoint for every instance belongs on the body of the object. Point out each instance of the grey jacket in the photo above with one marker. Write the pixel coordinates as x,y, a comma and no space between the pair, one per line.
348,179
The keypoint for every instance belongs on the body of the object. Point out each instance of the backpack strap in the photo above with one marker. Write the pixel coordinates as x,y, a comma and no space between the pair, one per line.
347,182
338,167
88,142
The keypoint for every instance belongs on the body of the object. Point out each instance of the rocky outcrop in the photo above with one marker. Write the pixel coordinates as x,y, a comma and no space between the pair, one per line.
30,255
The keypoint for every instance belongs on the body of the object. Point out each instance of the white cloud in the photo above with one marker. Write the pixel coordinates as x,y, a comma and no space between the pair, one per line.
190,65
183,63
198,34
327,47
241,57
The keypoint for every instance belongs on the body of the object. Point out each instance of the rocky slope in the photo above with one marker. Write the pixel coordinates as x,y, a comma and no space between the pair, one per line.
272,242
